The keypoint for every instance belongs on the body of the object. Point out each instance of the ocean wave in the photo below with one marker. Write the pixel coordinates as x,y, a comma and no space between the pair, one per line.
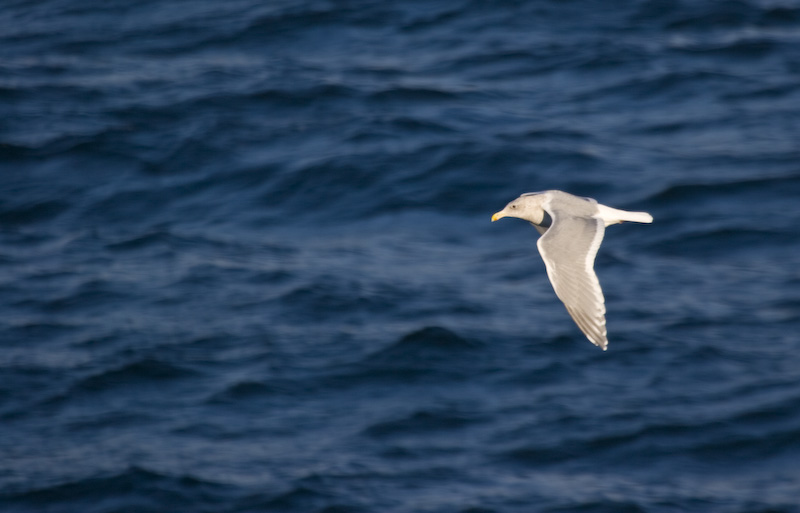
444,420
143,372
689,192
423,346
136,489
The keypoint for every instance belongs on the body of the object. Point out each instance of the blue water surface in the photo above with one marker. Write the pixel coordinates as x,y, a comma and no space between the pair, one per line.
247,263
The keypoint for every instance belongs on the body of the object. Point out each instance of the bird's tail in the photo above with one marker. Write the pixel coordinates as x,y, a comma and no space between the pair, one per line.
614,216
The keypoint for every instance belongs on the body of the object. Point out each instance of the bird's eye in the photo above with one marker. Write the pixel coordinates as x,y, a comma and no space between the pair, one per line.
513,206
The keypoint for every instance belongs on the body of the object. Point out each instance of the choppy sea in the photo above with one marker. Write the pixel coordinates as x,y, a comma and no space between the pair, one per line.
247,263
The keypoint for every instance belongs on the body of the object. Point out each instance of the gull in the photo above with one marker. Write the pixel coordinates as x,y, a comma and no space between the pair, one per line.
571,229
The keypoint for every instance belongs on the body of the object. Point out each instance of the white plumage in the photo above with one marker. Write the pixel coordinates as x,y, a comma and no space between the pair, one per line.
572,229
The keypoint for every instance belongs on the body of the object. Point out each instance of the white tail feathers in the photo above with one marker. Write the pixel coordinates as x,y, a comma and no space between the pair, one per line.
614,216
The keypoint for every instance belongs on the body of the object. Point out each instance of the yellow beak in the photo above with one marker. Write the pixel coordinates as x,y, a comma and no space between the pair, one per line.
497,216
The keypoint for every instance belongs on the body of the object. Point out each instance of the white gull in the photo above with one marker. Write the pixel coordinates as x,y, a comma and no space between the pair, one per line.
572,229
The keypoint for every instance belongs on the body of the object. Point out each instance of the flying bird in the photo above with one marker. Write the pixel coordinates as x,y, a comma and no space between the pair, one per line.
571,229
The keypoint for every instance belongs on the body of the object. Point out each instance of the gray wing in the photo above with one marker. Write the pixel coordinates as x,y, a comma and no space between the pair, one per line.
568,249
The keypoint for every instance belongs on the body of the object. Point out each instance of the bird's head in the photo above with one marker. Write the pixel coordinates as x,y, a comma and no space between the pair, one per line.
528,207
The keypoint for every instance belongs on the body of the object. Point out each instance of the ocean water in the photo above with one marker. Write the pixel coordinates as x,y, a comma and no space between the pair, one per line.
247,263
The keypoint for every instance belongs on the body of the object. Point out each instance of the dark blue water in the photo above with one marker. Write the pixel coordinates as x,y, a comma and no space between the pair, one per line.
247,265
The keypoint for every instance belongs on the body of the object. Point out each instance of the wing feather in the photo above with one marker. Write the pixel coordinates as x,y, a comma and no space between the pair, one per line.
568,248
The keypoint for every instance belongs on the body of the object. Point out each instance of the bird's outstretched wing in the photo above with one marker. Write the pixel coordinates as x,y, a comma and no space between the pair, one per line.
568,248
